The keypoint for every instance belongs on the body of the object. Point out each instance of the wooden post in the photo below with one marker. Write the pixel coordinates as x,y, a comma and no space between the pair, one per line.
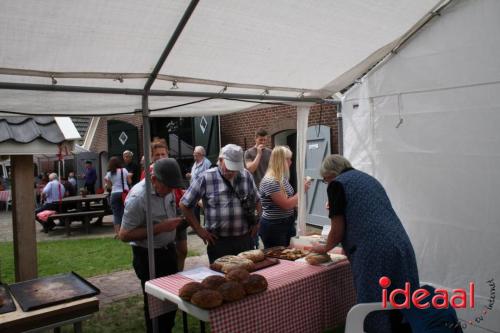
23,218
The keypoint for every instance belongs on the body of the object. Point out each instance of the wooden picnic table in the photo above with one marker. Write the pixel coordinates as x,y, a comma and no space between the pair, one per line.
83,208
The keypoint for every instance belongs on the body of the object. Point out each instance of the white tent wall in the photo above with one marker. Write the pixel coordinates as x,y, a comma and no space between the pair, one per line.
425,123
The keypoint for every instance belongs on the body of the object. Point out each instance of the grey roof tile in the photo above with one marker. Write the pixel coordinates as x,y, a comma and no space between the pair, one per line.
28,129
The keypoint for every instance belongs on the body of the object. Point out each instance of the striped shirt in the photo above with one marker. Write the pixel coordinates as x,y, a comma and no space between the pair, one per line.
223,212
270,210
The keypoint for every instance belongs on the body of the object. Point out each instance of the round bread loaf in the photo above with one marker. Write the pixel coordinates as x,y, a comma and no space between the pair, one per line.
254,255
231,291
238,275
189,289
213,281
317,258
207,299
227,263
255,284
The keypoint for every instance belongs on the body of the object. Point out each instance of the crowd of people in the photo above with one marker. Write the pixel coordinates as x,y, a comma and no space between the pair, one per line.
247,197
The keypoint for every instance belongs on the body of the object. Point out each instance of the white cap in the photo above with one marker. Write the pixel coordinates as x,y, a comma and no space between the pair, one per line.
233,157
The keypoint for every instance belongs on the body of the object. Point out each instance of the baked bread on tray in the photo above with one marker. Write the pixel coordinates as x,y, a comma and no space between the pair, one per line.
254,255
226,263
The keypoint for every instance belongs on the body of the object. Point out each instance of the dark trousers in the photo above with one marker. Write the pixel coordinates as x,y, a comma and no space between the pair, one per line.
90,188
165,264
277,232
231,245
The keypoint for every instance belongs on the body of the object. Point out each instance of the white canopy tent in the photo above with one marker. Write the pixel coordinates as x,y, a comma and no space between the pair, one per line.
425,123
97,58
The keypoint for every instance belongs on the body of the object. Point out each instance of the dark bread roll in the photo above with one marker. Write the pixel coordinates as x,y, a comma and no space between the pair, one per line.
207,299
255,284
213,281
231,291
189,289
238,275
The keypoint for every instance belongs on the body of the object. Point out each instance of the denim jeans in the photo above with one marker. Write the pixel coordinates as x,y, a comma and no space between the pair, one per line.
117,207
277,232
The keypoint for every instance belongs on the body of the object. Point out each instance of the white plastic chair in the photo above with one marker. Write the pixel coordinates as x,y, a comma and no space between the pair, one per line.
358,313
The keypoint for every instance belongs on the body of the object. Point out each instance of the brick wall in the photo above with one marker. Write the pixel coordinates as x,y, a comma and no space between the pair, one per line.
100,142
239,128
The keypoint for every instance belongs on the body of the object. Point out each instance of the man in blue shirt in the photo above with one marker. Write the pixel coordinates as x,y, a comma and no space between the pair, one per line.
90,177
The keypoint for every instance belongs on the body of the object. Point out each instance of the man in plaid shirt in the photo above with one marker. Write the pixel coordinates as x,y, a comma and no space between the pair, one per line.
229,195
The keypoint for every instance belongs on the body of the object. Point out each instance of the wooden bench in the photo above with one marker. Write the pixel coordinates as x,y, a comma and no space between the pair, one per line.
85,216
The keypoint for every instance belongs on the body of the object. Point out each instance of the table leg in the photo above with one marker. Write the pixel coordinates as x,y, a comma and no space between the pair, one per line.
184,322
202,326
86,222
57,330
67,224
77,327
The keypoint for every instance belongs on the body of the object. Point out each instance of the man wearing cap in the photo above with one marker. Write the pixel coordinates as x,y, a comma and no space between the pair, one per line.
166,176
229,196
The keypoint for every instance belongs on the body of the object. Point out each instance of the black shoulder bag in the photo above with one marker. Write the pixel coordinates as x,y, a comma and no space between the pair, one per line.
247,204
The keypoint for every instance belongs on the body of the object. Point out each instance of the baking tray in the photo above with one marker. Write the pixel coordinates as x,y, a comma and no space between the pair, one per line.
275,252
8,302
48,291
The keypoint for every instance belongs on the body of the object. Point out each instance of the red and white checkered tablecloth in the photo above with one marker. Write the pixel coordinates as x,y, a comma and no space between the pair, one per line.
4,195
300,298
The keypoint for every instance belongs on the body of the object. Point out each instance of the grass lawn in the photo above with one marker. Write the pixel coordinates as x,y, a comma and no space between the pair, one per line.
87,257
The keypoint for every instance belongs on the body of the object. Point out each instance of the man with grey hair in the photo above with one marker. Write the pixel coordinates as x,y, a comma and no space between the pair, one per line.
229,199
132,168
166,177
201,164
52,195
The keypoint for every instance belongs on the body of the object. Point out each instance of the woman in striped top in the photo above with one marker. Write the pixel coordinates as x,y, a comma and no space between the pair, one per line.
277,224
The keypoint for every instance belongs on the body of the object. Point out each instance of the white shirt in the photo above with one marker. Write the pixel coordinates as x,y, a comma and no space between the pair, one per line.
116,180
52,193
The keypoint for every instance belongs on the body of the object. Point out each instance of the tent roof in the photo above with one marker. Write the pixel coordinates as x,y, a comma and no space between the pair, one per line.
286,48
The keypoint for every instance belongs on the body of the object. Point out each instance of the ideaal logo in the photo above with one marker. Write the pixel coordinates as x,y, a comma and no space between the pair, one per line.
440,300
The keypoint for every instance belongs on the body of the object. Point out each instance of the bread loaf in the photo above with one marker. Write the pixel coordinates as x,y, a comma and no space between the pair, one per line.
317,258
255,284
189,289
227,263
231,291
213,281
207,299
254,255
238,275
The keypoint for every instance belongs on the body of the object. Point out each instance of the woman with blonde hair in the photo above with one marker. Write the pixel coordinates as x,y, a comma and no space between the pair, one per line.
277,224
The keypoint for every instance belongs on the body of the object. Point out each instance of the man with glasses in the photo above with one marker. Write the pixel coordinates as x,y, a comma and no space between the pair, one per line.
229,196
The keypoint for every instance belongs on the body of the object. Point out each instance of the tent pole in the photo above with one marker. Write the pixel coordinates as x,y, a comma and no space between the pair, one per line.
147,136
149,220
302,124
140,92
340,127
